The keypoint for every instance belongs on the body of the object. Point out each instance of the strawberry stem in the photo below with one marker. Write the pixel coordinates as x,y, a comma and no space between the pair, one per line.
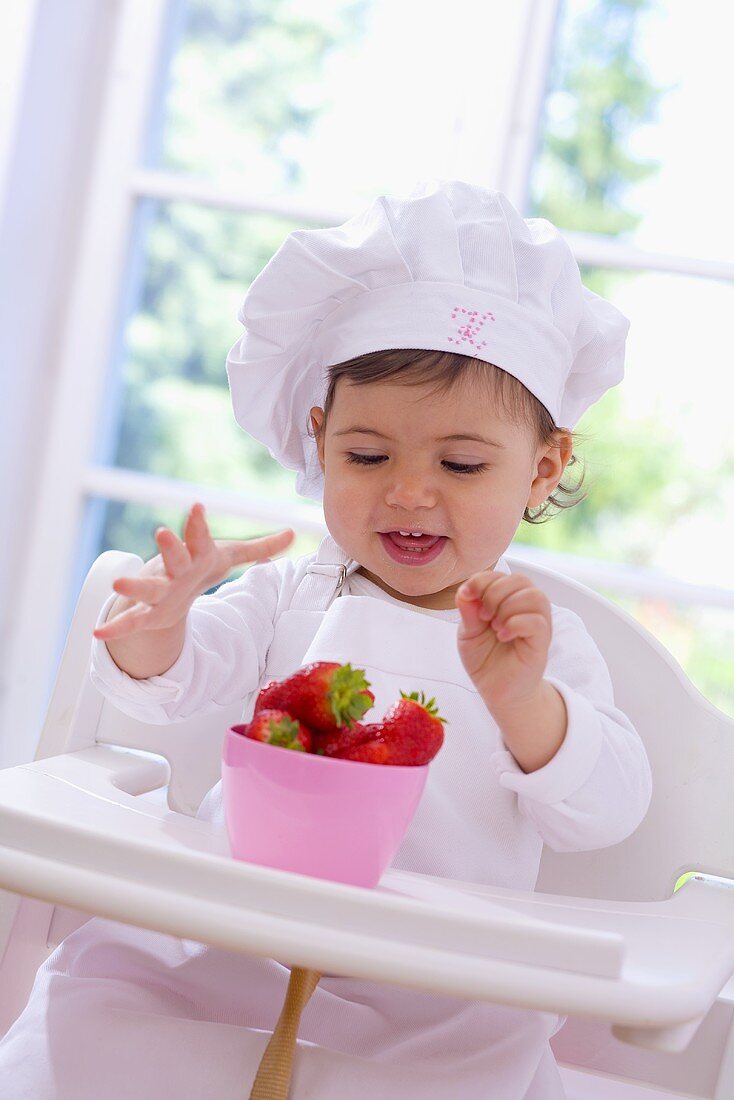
284,732
347,695
429,705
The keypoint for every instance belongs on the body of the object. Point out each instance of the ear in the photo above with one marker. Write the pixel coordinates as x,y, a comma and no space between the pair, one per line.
549,464
316,416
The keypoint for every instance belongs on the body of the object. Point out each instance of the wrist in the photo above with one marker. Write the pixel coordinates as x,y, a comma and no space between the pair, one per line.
147,653
518,708
533,729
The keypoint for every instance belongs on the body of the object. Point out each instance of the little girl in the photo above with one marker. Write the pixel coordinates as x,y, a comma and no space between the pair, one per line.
413,365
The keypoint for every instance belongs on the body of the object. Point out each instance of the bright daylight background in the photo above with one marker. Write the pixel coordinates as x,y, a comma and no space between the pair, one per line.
154,155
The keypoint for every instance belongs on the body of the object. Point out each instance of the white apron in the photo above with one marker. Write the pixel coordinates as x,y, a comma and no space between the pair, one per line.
133,1014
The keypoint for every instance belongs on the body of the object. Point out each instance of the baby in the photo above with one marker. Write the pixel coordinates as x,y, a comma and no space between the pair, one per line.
413,366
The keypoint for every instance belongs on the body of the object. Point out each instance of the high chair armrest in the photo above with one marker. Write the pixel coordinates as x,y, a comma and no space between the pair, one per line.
72,831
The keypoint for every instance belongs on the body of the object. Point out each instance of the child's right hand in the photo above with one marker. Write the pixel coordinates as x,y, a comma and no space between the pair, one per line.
162,593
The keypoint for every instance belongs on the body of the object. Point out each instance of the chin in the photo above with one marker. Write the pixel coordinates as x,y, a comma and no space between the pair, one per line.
414,586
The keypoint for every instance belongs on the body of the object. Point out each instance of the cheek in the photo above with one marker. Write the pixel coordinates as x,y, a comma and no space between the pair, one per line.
482,517
346,502
342,484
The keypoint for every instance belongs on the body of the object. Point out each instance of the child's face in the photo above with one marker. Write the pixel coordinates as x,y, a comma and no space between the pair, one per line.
409,483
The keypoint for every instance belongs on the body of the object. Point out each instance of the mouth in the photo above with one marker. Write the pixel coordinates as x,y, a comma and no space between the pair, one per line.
411,538
417,549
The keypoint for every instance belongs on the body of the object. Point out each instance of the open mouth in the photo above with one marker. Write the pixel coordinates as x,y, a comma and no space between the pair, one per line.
412,549
414,543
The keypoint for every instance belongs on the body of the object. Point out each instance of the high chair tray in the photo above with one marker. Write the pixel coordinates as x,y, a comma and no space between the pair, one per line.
72,831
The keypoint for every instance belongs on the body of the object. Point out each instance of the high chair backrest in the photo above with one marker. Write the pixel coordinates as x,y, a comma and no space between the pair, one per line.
689,742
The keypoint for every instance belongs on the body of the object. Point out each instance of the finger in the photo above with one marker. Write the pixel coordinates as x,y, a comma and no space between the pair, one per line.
176,557
125,623
526,600
196,533
494,595
148,590
520,599
239,550
481,586
531,628
474,585
521,594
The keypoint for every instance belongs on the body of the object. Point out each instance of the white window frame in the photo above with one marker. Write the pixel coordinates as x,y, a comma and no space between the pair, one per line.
40,558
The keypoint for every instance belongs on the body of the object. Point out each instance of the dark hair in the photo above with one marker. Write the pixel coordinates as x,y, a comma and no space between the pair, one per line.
414,366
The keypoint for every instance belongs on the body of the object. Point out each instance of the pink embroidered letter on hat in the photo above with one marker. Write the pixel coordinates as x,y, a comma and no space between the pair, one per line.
471,327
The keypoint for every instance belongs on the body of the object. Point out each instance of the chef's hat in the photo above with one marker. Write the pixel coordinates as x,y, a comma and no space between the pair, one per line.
451,267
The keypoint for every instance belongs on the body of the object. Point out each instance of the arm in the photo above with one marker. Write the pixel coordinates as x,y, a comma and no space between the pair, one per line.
225,642
582,777
148,653
596,788
535,731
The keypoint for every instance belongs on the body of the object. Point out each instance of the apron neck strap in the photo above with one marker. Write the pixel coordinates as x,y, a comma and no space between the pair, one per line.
324,577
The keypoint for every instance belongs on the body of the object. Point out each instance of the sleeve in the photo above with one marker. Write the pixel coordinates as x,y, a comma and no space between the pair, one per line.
225,646
597,788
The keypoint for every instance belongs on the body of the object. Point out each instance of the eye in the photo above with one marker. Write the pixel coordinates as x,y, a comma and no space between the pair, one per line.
364,460
453,467
462,468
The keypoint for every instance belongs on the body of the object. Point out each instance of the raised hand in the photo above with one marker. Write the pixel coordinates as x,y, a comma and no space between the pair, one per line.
504,636
161,594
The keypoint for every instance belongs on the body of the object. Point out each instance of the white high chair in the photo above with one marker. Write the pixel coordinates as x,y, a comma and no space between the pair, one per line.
103,822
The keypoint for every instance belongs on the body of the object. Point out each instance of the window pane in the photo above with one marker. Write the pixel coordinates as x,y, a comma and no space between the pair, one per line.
634,141
334,100
169,411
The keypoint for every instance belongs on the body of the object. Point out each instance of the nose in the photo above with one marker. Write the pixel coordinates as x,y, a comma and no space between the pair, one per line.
410,489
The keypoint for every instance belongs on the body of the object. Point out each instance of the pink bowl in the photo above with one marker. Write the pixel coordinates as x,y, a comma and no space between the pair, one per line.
317,815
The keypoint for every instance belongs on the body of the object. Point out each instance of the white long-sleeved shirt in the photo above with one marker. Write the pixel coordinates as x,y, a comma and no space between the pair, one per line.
593,793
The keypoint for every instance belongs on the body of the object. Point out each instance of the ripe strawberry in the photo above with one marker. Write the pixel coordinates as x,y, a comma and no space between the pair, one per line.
376,751
325,695
410,733
275,727
338,741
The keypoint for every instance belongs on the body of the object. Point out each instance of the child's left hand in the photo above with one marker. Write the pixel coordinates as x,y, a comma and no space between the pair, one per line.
504,636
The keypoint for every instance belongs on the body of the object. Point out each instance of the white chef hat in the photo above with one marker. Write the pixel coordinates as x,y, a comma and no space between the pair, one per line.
451,267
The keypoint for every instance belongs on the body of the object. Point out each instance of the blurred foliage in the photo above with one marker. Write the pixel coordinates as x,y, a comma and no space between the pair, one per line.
251,69
639,484
598,93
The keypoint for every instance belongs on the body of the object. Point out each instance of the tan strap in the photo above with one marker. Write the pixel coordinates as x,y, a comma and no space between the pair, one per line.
273,1077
